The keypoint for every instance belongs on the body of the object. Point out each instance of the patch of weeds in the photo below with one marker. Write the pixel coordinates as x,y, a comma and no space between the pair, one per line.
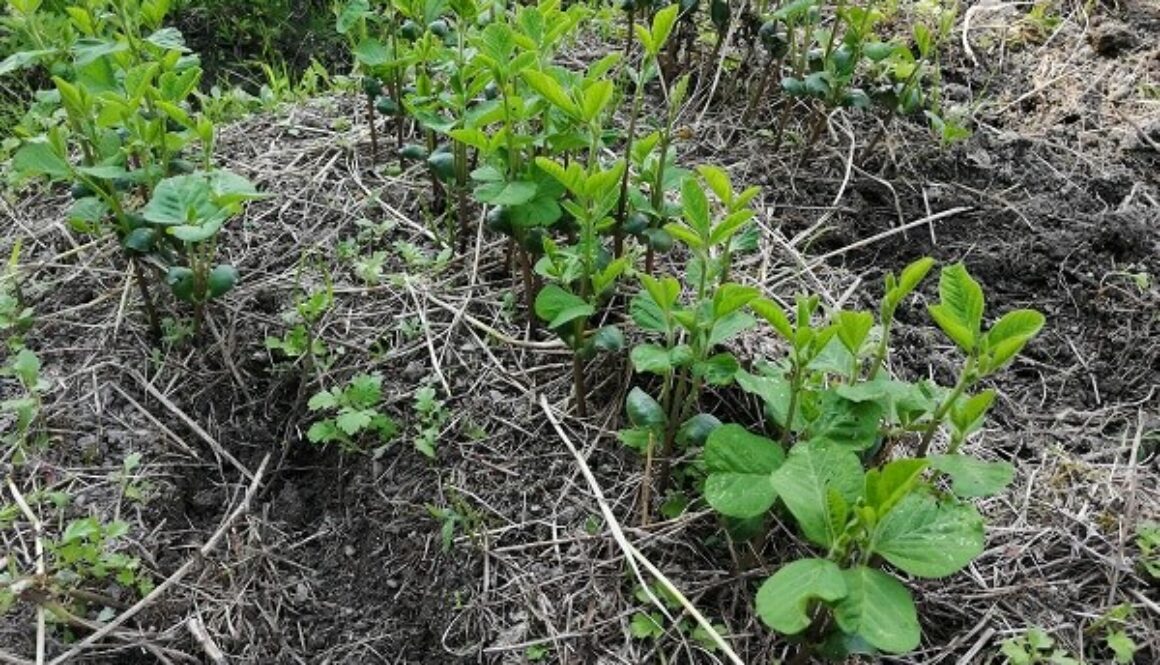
1035,647
1148,540
354,416
431,418
83,557
1112,629
650,625
131,484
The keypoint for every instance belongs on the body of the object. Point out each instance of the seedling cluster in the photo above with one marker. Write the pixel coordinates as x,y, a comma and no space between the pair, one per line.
577,168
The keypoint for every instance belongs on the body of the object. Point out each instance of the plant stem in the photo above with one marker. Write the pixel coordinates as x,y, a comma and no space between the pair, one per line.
964,381
646,484
374,134
637,101
147,301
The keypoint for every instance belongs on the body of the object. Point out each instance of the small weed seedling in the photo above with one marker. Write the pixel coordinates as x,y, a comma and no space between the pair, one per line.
1148,540
355,420
431,419
1036,647
83,556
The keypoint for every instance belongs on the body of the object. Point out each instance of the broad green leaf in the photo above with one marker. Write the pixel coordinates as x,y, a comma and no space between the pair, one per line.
169,39
1009,335
87,49
644,411
647,314
967,414
731,297
775,315
371,52
886,486
804,480
718,370
850,424
960,309
559,307
662,27
350,13
595,98
927,538
323,431
650,358
23,59
608,339
39,158
506,193
971,477
718,181
696,430
729,226
853,328
664,291
739,465
899,400
783,601
222,279
548,88
729,326
696,208
183,199
685,234
879,609
910,277
775,392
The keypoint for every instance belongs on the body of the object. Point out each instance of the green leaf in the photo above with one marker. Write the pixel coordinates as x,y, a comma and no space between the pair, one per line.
506,193
783,601
323,431
696,208
971,477
731,297
38,157
181,282
664,291
967,414
696,430
608,339
718,370
651,358
853,328
847,423
644,411
647,314
559,307
352,422
927,538
595,98
718,181
222,279
804,480
322,400
548,88
1010,334
739,465
775,392
644,626
662,26
371,52
879,609
960,309
775,315
729,326
351,13
364,391
886,486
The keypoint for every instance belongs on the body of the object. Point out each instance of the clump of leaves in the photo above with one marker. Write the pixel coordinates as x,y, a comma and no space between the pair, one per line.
432,416
24,410
354,420
1112,627
1148,540
1036,647
83,556
832,470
